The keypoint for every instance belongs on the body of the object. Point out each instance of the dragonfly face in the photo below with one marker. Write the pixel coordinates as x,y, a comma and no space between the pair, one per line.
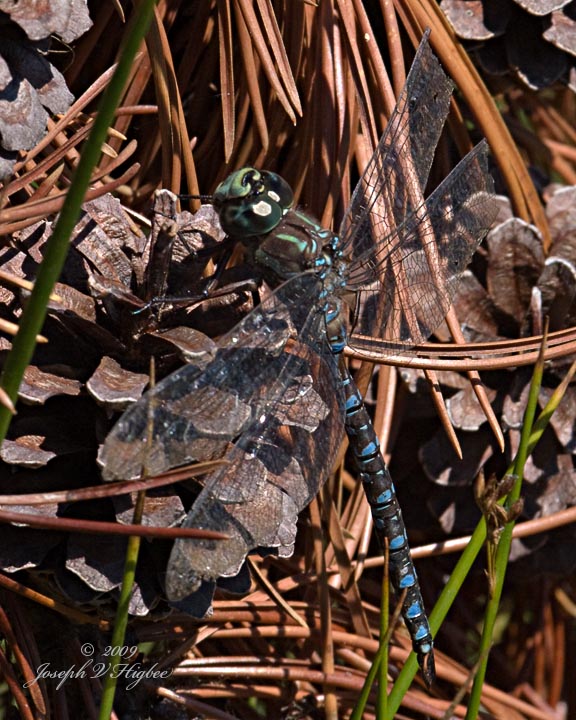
252,202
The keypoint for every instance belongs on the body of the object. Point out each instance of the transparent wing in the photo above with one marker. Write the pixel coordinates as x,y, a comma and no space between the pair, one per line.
402,158
288,463
406,253
416,269
196,411
268,399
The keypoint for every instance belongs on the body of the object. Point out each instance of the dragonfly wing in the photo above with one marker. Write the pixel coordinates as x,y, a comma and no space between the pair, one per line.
163,429
417,272
406,253
267,395
289,463
402,158
193,413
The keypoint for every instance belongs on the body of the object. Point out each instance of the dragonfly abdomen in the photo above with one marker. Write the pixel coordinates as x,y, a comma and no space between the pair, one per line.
388,523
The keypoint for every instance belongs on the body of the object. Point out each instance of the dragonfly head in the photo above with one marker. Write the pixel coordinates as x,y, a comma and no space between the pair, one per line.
252,202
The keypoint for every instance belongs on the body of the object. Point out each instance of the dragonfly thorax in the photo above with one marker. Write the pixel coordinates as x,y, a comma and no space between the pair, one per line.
255,207
298,244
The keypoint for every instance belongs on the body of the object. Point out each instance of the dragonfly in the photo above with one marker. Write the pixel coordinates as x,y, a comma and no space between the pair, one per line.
274,396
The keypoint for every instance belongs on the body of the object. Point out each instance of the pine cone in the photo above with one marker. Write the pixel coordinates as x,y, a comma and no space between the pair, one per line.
535,40
102,333
31,87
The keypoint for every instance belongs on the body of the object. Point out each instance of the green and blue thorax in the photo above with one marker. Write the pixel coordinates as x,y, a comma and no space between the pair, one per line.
297,244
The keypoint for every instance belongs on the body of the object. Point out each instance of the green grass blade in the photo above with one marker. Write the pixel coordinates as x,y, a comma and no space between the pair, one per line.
503,548
531,433
385,629
121,622
379,667
438,614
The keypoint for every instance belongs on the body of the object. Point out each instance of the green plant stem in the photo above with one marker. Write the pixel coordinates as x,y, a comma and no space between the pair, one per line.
438,615
380,663
358,712
56,247
121,622
382,702
503,548
531,433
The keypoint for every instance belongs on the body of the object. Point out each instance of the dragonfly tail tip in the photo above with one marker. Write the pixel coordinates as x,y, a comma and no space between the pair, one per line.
428,668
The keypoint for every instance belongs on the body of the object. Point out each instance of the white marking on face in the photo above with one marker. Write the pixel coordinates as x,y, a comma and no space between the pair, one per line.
262,208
